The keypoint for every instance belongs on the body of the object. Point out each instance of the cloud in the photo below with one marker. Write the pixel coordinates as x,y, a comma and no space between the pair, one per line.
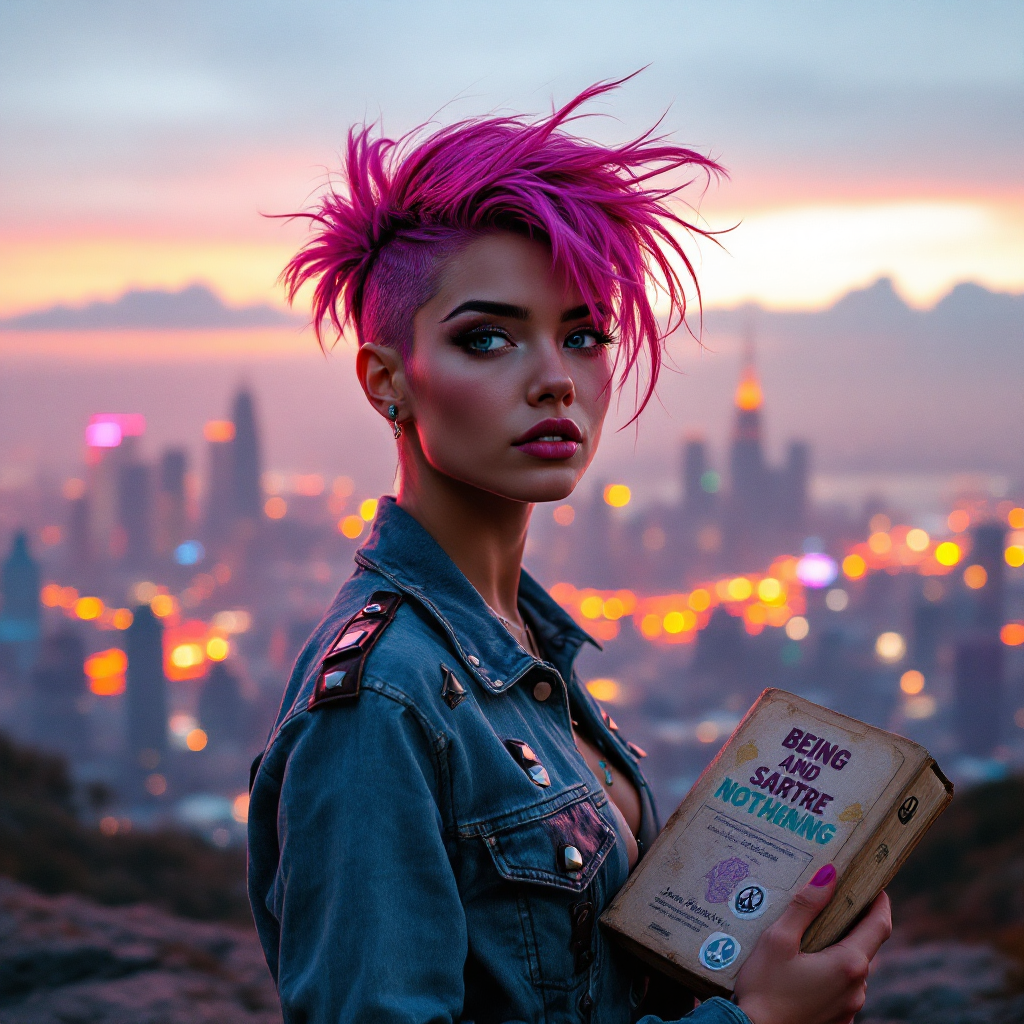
196,307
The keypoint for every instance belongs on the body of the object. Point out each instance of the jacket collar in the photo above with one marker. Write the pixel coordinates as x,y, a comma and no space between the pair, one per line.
403,552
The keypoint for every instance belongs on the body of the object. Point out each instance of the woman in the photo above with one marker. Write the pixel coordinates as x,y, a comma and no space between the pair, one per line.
442,811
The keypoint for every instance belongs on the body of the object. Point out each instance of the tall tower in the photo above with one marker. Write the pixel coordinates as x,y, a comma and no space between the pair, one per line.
750,495
248,492
171,515
58,686
699,483
220,481
146,689
134,512
979,664
20,610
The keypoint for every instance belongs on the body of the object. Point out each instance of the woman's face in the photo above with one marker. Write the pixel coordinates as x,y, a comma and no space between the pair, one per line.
508,380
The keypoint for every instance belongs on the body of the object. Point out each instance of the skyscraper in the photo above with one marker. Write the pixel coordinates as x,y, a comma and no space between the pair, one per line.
58,689
246,471
135,512
221,707
220,481
146,689
171,515
700,483
20,609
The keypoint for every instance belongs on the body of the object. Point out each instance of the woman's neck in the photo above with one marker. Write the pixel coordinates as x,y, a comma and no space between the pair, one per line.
482,533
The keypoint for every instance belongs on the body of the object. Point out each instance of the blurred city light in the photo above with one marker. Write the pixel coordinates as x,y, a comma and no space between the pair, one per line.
912,681
189,552
219,431
921,706
87,608
240,808
1015,518
854,566
608,691
890,647
564,515
196,740
817,570
368,509
217,648
975,576
105,671
836,600
617,495
947,553
958,520
797,628
918,540
275,507
706,732
1012,634
351,526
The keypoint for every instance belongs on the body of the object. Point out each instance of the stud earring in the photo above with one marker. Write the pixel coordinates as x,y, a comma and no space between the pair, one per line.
395,425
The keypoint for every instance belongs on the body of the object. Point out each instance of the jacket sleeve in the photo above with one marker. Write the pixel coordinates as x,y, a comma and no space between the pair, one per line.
712,1011
372,928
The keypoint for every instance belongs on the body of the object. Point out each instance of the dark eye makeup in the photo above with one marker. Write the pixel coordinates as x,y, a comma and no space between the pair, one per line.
489,340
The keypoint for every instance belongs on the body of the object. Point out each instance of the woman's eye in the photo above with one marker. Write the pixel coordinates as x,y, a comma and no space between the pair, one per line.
586,339
486,341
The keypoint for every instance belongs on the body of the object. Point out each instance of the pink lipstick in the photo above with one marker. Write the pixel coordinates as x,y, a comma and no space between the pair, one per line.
552,439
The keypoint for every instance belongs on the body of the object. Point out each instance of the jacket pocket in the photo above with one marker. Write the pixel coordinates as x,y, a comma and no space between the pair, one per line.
545,851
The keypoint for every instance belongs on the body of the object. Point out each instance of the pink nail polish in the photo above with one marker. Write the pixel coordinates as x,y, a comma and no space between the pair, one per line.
824,875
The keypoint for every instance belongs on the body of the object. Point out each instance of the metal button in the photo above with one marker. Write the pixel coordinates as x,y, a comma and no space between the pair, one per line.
538,774
495,684
572,859
371,609
542,690
473,660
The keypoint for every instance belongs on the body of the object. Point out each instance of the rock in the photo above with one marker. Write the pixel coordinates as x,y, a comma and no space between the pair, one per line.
66,960
941,983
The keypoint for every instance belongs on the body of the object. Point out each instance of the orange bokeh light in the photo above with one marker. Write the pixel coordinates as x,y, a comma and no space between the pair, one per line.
219,431
959,519
854,566
1012,634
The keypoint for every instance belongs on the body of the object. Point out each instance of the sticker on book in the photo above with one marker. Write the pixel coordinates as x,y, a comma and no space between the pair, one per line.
749,901
719,951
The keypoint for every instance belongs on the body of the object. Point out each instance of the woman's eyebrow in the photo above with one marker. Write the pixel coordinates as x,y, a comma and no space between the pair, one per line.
576,313
505,309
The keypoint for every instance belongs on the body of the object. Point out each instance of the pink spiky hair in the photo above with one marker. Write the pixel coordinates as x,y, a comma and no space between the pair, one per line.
378,246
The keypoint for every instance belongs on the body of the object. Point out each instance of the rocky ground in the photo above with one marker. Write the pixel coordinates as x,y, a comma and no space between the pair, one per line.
943,983
66,960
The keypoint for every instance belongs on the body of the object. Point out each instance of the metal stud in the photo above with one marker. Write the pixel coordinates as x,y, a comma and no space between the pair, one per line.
372,609
497,683
572,859
539,775
473,660
334,679
542,690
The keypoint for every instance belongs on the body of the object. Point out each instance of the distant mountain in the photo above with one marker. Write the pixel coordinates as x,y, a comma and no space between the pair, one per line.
195,307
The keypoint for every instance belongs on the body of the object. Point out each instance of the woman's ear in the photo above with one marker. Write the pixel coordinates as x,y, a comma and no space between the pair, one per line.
382,378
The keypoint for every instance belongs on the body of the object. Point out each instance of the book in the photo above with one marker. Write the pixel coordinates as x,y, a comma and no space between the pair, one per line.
796,787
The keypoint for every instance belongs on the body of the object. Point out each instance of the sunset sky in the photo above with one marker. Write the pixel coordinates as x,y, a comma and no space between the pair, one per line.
142,141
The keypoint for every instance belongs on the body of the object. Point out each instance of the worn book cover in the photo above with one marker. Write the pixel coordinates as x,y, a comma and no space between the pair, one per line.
797,786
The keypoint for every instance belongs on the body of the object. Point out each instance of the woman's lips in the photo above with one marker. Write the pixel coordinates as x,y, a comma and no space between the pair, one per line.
543,448
553,439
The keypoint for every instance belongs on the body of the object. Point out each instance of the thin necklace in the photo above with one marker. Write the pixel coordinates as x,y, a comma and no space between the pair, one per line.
526,641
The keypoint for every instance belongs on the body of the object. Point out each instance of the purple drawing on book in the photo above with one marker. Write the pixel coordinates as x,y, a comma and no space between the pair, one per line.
724,877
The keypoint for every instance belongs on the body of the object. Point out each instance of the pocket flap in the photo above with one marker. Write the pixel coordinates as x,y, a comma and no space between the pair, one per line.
535,851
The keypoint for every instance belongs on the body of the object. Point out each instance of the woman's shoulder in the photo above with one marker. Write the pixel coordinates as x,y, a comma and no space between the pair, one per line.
374,639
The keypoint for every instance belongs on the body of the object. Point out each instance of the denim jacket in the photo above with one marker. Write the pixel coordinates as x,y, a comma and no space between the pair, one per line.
405,864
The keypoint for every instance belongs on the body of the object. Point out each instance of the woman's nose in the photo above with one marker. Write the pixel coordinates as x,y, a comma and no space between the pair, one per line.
551,382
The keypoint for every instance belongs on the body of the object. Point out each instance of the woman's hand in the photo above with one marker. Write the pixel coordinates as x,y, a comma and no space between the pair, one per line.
780,985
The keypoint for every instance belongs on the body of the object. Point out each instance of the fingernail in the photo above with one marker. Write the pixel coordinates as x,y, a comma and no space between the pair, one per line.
824,876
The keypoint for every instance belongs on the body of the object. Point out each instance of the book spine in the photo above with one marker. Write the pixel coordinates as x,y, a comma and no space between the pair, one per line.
881,856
